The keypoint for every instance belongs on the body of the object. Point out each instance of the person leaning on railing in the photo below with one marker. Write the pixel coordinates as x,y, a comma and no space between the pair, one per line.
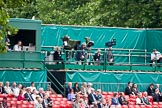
156,56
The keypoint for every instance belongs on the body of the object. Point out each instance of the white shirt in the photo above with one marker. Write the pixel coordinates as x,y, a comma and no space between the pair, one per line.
17,48
33,88
155,56
138,101
8,90
16,91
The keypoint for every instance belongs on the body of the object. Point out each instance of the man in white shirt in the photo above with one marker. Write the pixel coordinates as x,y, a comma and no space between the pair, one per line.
18,46
155,56
139,100
15,89
8,88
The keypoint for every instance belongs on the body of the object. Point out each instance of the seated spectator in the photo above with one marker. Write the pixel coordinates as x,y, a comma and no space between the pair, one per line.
15,89
157,87
156,96
103,104
20,96
27,95
80,55
76,103
139,99
2,90
134,89
68,88
8,88
99,95
76,88
115,100
122,99
128,89
71,95
18,46
146,99
92,99
32,87
151,90
41,93
89,87
155,56
4,104
38,103
84,89
19,86
34,94
23,89
46,102
57,55
85,102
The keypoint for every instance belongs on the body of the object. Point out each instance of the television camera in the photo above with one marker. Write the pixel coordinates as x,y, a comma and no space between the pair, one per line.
89,43
110,43
70,44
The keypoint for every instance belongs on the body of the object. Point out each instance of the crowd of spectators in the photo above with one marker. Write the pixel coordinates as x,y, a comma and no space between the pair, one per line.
40,98
85,96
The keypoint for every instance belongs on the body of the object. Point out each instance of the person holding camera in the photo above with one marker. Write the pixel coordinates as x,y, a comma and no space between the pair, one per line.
80,55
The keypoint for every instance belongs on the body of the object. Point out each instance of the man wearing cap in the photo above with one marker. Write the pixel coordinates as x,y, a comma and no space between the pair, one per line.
156,56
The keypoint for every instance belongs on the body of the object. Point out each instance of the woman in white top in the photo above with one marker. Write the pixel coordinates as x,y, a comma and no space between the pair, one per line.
38,103
32,87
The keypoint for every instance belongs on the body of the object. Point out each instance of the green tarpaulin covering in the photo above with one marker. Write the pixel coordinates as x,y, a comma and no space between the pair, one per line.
111,81
23,76
126,38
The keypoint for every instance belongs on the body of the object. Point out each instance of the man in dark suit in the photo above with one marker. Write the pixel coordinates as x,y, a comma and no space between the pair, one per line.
41,93
68,88
92,99
80,55
156,96
151,90
128,89
27,95
2,90
57,55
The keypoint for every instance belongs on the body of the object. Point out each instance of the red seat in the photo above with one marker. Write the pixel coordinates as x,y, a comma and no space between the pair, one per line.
160,106
155,106
155,103
148,106
160,103
131,106
63,106
110,93
55,106
59,96
124,106
56,103
142,106
104,93
137,106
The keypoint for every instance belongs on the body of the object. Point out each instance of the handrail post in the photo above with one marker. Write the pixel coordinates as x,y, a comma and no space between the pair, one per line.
145,56
129,55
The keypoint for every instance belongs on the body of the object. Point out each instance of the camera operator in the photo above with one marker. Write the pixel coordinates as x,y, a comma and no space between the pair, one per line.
155,56
110,56
97,57
80,55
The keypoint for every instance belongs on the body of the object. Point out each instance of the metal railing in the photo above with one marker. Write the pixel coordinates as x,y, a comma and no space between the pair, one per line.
114,87
121,56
